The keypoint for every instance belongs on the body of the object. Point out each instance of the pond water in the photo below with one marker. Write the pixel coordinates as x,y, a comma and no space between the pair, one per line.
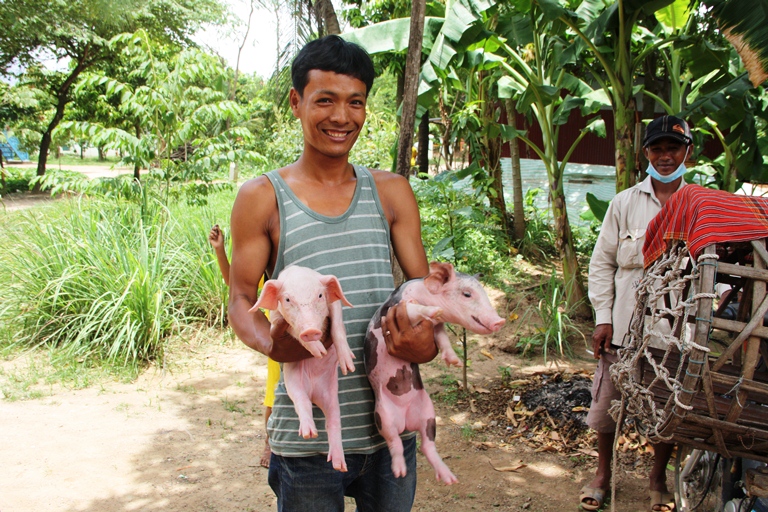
579,179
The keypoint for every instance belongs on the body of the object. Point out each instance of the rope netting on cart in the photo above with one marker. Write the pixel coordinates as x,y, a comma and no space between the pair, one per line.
667,297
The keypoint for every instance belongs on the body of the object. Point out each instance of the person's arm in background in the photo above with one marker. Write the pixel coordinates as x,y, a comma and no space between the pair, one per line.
602,274
415,344
216,238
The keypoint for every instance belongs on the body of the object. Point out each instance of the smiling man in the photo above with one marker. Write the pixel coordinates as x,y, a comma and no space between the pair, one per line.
615,269
324,213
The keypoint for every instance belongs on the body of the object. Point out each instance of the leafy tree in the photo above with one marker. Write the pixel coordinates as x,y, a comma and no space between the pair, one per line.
78,31
186,126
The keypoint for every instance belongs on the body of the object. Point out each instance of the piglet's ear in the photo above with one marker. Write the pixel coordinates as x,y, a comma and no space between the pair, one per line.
269,295
333,290
439,275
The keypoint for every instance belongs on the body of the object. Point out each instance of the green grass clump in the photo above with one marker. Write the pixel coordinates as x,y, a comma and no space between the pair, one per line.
108,281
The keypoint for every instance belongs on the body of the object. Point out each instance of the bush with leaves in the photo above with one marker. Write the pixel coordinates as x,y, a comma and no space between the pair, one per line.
557,328
458,227
539,240
15,180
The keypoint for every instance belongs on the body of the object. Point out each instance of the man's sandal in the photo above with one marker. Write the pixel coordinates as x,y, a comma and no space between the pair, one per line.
662,501
594,494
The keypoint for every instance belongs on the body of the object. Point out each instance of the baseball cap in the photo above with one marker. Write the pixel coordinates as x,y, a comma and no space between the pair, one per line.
670,127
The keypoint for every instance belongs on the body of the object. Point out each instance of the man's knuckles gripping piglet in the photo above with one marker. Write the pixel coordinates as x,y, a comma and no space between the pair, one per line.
402,403
304,298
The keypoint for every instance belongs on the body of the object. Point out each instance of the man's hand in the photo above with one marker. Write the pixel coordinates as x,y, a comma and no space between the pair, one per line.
286,348
412,344
601,339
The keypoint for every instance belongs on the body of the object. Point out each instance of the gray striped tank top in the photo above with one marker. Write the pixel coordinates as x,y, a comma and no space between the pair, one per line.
355,248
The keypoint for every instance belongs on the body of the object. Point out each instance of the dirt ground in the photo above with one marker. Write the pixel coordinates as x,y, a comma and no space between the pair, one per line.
18,201
187,436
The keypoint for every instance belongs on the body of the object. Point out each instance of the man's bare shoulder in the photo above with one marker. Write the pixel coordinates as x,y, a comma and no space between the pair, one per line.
389,180
257,185
255,201
257,189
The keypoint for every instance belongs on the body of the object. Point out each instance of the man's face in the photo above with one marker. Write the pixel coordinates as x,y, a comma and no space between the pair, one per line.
666,155
332,112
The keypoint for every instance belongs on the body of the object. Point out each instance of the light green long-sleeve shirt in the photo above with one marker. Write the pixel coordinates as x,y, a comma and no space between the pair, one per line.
616,265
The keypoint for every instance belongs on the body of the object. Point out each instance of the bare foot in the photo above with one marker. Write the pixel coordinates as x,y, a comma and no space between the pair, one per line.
266,455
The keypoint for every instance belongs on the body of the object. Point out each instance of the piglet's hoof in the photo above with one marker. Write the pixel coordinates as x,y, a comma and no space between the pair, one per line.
443,474
307,432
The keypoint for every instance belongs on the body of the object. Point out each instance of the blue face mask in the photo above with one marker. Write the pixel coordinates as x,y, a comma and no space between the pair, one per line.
680,171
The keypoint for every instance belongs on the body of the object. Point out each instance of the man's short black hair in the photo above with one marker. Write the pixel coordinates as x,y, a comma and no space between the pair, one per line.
332,53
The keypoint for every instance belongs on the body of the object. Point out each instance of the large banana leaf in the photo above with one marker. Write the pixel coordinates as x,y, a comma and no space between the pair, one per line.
392,35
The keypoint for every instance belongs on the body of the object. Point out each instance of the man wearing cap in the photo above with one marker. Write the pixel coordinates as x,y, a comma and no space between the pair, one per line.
615,269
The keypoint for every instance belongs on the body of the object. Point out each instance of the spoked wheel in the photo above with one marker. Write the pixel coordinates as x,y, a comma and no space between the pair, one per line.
700,480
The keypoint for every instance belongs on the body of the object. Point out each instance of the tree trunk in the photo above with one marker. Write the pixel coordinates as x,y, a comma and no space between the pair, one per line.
492,163
400,90
575,293
624,119
648,111
624,106
412,67
136,167
517,178
233,87
102,155
445,141
422,159
494,171
327,14
62,98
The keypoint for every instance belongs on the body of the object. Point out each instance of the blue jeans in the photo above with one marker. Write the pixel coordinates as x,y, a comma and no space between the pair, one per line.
304,484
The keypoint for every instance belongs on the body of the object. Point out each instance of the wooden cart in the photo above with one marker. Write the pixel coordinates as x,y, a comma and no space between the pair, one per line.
709,387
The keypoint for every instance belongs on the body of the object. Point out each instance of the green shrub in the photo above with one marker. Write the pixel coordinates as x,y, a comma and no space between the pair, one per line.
16,180
557,328
539,240
458,228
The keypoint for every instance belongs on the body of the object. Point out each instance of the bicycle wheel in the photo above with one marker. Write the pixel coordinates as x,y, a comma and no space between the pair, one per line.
699,480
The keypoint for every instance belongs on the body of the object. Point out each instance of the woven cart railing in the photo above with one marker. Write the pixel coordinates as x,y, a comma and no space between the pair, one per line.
687,375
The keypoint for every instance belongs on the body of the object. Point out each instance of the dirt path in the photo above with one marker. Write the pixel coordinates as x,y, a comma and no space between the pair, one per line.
19,201
188,439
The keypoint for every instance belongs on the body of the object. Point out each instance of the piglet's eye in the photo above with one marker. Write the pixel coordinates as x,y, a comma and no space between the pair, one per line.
467,294
320,296
287,299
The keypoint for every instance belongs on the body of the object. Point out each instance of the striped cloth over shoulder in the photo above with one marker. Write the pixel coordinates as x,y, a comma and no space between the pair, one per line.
701,216
355,248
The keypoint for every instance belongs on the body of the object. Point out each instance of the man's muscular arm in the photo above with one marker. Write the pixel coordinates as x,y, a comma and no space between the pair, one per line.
252,214
415,344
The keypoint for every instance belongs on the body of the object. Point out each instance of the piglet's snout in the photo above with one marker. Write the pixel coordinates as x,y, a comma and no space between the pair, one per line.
488,325
497,325
311,335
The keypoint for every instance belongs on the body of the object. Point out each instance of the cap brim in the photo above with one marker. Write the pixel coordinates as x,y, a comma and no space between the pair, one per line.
676,136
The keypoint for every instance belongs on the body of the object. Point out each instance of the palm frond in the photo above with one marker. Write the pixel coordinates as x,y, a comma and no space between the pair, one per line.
745,24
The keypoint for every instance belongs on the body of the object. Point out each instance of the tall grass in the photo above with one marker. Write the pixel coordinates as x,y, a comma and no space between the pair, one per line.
108,281
556,329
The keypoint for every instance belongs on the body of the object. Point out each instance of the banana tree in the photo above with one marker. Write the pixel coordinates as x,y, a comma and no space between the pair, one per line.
607,34
538,76
743,24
